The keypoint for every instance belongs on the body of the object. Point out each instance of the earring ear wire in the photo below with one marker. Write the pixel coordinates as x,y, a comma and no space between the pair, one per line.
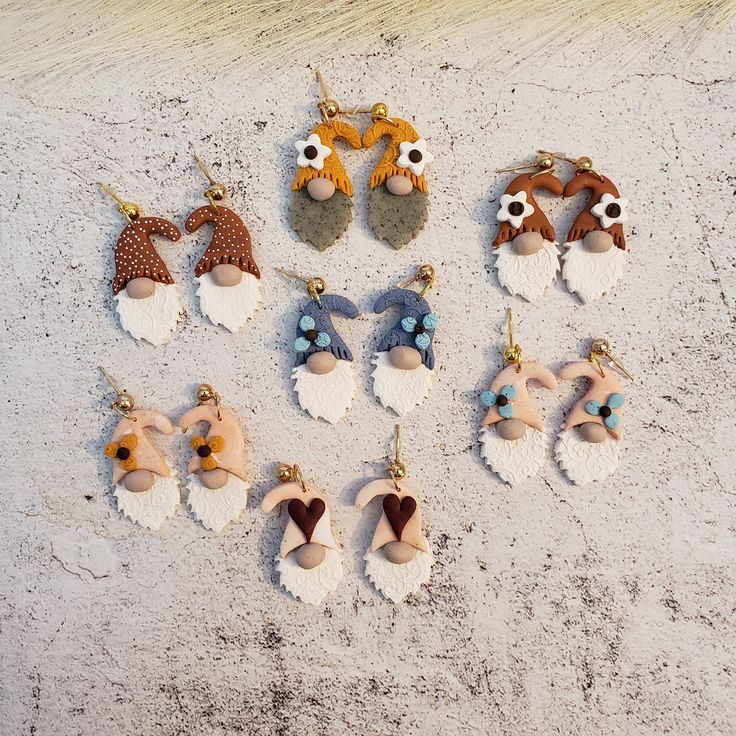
600,347
512,352
125,403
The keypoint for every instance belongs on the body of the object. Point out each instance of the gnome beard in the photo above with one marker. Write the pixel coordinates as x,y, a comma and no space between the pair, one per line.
513,460
325,395
397,388
153,318
586,462
397,581
591,275
229,306
216,508
313,585
149,508
528,276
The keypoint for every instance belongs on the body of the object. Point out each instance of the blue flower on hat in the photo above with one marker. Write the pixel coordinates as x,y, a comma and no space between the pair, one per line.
607,410
421,339
502,401
311,335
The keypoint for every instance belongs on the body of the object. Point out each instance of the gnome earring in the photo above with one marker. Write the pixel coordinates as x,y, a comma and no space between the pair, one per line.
322,373
218,485
146,488
228,276
526,256
308,561
148,301
512,437
399,560
404,359
321,204
397,203
588,447
592,265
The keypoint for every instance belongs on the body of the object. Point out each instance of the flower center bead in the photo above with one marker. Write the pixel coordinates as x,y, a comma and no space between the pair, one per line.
123,453
419,329
605,412
204,451
613,210
415,156
311,152
516,209
502,400
311,335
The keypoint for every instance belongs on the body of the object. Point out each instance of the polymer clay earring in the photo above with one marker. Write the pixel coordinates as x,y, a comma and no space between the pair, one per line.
229,288
217,484
321,204
146,487
512,437
588,448
323,376
404,358
527,260
148,301
399,560
308,561
398,202
593,261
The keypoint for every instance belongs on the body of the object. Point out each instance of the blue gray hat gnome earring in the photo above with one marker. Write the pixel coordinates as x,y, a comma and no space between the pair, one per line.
404,358
323,377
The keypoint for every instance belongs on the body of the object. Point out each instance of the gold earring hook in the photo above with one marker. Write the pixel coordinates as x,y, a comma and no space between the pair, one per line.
286,473
206,393
315,286
327,104
583,164
129,210
512,352
600,347
396,468
124,403
545,162
216,191
426,274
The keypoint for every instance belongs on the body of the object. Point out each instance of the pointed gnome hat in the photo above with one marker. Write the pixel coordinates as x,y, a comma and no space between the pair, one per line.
230,243
315,332
521,190
131,449
415,329
135,255
586,221
399,131
224,439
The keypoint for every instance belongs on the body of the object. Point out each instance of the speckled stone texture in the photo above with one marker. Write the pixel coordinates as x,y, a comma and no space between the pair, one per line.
551,609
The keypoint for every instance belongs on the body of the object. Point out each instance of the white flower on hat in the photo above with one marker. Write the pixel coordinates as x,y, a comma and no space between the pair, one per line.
514,209
312,152
414,156
611,210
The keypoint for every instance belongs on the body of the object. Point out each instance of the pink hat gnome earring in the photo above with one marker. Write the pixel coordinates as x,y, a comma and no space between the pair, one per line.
308,561
527,260
146,487
148,301
512,438
588,448
399,560
228,275
218,484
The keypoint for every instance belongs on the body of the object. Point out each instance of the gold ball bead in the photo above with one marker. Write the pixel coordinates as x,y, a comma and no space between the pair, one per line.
125,402
584,163
426,273
545,162
205,392
379,110
397,470
284,473
329,107
318,284
130,210
218,192
600,345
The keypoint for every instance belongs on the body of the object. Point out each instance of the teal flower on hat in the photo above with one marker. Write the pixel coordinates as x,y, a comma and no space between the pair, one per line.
607,410
502,401
311,336
421,339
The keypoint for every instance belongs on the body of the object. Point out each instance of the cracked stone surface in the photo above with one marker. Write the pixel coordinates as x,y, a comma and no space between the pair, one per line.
552,609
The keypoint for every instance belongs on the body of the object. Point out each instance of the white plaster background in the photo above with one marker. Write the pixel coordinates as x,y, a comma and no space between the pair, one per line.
552,609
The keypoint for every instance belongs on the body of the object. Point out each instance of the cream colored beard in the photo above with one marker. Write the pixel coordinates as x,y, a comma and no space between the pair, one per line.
591,275
586,462
394,581
527,276
217,507
154,318
150,508
229,306
325,395
399,389
513,460
311,586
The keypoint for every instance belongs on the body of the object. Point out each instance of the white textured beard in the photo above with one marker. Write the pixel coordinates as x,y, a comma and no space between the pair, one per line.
399,389
150,508
325,395
591,275
311,586
586,462
154,318
229,306
513,460
527,276
397,582
217,507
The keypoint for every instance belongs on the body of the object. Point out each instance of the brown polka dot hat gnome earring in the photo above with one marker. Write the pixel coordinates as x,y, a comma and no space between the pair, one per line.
146,487
227,274
321,204
593,262
308,561
399,559
218,484
512,437
397,203
148,300
527,260
589,445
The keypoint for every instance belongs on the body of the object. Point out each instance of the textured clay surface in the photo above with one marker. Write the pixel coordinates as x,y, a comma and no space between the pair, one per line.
320,223
397,219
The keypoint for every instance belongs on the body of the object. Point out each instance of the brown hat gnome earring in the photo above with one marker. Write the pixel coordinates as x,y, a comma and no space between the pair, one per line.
148,301
228,275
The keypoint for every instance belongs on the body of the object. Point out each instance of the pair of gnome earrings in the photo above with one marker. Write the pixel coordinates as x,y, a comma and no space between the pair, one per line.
527,259
321,205
398,561
512,436
147,299
146,487
404,358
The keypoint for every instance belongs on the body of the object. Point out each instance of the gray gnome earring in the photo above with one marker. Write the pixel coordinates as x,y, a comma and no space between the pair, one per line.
323,376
